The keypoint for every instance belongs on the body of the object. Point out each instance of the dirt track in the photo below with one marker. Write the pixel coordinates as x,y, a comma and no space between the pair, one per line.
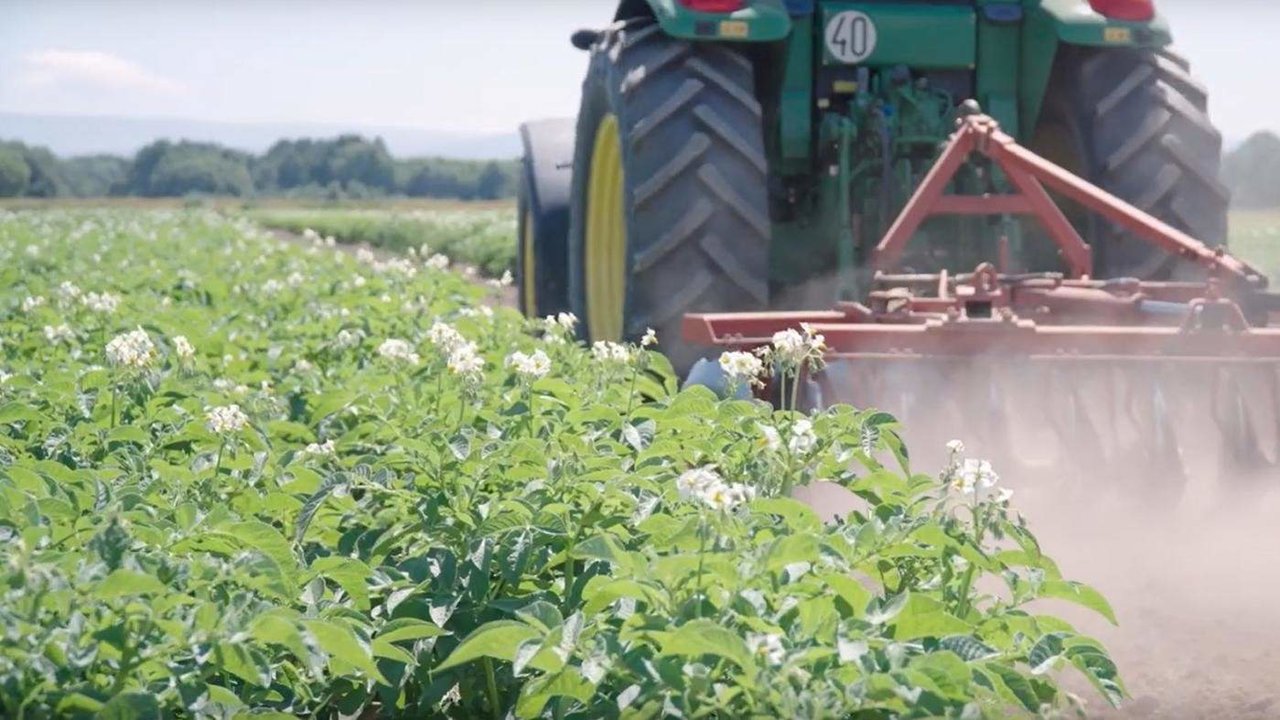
1199,633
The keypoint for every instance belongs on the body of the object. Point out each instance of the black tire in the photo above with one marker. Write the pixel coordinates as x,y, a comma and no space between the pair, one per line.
694,177
543,220
1138,125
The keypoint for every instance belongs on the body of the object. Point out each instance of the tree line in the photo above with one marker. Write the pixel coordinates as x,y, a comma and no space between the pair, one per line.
348,166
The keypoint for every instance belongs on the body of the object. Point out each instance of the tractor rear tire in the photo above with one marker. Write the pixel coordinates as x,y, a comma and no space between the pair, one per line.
543,220
1139,127
693,188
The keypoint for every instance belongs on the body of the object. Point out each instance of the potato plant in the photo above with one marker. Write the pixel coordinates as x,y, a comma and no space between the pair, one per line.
241,478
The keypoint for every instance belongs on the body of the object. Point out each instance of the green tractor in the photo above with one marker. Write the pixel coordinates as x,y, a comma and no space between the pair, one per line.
736,155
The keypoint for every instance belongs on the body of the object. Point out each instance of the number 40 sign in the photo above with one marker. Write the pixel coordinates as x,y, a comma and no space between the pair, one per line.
851,36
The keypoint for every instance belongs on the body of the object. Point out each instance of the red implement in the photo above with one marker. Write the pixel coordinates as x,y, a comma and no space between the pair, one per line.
1008,343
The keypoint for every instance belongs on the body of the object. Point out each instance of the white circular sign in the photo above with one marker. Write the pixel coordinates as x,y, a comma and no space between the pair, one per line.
851,36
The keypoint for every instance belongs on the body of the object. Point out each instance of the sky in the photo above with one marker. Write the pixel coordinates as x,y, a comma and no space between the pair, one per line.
473,66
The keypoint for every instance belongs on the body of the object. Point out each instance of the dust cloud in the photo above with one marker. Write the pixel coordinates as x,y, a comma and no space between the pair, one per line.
1188,556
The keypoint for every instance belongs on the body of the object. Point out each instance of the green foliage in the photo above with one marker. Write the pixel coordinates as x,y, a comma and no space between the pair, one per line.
346,167
374,534
1252,172
476,236
15,175
164,169
95,175
45,174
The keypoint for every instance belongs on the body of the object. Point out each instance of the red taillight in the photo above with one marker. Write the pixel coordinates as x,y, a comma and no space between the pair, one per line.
1135,10
714,6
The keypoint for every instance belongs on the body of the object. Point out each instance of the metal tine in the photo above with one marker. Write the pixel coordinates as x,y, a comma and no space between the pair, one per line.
1259,393
1074,421
1162,463
1242,459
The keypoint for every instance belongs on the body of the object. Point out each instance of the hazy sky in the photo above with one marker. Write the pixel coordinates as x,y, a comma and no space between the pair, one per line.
477,65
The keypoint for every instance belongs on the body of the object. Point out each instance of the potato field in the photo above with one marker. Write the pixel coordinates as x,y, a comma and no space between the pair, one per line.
244,478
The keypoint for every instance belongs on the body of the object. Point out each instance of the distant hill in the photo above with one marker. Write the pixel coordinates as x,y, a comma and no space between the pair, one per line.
70,135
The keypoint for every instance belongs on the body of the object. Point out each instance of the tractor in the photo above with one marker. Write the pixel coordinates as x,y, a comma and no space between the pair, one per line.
1011,207
743,155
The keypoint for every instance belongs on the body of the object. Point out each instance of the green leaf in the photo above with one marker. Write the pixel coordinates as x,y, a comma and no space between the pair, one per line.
498,639
402,629
129,433
567,683
277,627
128,582
130,706
351,575
706,637
792,549
17,412
1080,594
925,617
341,642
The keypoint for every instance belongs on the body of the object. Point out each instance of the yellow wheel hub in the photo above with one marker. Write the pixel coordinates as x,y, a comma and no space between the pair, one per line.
605,241
529,290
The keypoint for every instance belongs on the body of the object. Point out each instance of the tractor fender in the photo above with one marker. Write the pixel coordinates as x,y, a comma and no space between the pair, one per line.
1051,23
547,169
1074,22
758,21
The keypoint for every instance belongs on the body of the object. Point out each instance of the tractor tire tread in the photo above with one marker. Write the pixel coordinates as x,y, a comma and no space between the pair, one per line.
1147,130
697,185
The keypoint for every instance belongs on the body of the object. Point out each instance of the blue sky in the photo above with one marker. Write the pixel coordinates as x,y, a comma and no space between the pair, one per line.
477,66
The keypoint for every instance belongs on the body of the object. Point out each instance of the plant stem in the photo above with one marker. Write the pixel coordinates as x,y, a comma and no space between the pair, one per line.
795,389
631,392
491,683
217,466
702,554
115,390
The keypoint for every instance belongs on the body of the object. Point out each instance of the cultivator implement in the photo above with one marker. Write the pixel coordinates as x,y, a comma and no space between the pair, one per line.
1161,382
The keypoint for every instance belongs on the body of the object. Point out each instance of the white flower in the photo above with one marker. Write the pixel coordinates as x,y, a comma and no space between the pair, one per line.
31,303
792,349
132,349
68,290
692,483
183,348
320,449
742,366
565,321
706,486
272,286
5,377
399,350
364,255
349,338
802,437
606,351
532,366
975,477
445,336
226,420
309,234
650,338
767,647
771,438
505,281
101,302
302,365
465,361
955,447
228,386
295,279
438,262
359,281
